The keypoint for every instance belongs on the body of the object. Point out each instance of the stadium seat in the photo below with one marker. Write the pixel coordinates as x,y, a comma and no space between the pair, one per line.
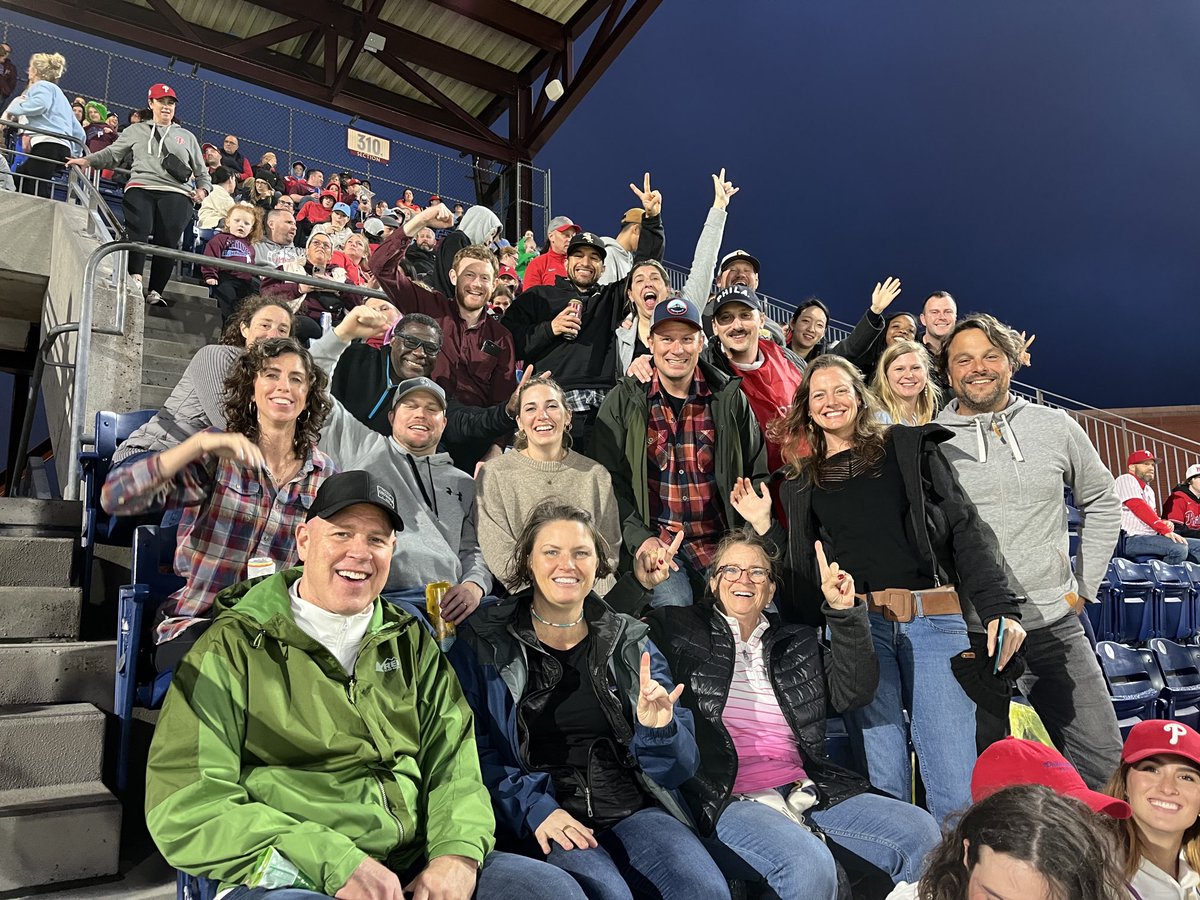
1137,601
1135,683
1181,677
192,887
1177,601
153,580
99,527
1119,551
1104,614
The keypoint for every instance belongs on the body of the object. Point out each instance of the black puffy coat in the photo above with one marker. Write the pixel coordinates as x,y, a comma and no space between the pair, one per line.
699,647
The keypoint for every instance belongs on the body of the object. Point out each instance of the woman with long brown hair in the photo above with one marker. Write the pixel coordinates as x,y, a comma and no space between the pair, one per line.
242,491
888,508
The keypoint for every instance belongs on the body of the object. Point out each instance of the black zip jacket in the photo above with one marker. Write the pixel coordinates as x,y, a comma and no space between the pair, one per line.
941,522
590,361
699,648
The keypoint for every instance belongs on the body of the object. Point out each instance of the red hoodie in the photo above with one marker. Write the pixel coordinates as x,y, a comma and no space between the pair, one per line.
1183,508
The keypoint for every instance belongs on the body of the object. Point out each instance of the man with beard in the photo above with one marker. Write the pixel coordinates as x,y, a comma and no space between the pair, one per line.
1013,459
422,254
569,328
278,246
1147,533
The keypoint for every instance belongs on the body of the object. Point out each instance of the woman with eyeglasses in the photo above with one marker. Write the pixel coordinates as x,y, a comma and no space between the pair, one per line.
766,797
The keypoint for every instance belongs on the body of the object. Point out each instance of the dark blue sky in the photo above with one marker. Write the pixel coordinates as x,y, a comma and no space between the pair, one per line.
1038,160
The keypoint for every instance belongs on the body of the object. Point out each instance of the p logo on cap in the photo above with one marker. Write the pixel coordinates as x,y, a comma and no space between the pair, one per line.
1176,731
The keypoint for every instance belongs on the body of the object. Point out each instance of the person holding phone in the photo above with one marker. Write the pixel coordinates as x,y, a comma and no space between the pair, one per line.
889,508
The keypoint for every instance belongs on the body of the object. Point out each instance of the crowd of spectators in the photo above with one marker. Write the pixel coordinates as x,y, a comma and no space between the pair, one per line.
540,579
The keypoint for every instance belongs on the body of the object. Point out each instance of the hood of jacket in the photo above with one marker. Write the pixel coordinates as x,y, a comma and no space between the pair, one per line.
953,418
478,224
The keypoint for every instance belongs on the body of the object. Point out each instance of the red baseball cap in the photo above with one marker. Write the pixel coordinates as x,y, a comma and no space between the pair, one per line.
510,271
1140,456
1156,737
158,91
204,148
1015,761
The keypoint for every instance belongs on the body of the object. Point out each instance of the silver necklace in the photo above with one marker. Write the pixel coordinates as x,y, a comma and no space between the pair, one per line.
556,624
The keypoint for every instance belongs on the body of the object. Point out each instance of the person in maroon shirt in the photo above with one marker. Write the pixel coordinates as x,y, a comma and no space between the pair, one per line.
8,74
477,363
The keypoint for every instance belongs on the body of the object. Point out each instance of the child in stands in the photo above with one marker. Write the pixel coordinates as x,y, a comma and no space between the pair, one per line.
243,226
338,227
310,215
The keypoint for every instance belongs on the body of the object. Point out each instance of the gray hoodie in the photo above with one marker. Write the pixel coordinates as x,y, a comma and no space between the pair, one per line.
1013,465
148,142
438,542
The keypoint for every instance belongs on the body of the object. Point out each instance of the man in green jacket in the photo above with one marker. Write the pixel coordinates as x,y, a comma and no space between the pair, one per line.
315,742
677,447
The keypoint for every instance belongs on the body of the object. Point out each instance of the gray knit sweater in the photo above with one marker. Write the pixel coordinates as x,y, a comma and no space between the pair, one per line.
148,172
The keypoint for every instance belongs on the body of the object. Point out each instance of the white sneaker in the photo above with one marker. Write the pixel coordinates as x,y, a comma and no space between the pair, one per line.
154,298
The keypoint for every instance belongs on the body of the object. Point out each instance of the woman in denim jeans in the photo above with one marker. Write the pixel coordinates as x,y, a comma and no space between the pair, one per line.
889,509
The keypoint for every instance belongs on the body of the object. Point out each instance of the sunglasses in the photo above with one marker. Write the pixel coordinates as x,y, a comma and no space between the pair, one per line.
413,344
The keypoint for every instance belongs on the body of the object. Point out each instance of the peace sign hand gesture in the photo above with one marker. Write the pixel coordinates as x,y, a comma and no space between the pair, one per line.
836,585
651,199
655,707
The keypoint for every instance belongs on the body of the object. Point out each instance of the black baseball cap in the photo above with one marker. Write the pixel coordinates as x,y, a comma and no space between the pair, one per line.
676,309
348,488
420,383
586,239
737,293
730,258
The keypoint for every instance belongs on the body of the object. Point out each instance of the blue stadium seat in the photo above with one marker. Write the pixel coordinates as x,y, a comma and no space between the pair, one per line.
1119,551
1180,668
99,527
153,580
1177,619
1104,614
192,887
1138,598
1135,683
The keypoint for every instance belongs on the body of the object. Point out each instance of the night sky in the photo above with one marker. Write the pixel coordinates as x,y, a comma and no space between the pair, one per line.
1037,160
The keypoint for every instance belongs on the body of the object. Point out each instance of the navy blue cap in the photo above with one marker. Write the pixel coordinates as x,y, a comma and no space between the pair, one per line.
676,309
737,293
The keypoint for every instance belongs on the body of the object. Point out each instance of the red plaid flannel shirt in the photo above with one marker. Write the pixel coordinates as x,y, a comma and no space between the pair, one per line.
231,514
681,457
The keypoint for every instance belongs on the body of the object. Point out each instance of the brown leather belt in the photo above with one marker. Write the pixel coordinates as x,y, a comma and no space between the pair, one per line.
900,605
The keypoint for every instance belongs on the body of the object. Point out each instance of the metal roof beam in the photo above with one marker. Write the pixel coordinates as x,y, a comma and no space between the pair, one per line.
176,21
512,19
273,36
414,78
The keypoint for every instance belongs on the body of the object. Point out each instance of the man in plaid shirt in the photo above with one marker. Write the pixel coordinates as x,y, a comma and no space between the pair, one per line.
675,448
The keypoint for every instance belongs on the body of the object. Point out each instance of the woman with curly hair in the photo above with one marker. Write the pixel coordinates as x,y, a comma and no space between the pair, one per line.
888,508
195,402
903,386
1025,841
242,491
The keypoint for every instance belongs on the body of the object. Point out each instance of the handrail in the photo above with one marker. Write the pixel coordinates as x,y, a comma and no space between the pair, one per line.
34,129
85,327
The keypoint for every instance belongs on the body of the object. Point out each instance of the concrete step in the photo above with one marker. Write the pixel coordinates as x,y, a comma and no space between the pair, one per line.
186,290
58,672
58,833
36,561
196,317
42,745
183,346
155,378
153,396
21,516
173,364
40,612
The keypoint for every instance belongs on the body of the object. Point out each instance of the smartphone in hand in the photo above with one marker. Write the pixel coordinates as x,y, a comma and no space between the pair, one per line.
999,647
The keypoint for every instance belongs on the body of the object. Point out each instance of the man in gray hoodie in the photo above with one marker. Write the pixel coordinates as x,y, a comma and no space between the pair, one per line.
1013,459
436,500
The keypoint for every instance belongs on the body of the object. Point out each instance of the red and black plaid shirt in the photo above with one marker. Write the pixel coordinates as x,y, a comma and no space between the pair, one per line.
681,457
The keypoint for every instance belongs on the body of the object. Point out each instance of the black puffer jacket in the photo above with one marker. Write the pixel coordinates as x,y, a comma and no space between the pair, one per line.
942,524
699,648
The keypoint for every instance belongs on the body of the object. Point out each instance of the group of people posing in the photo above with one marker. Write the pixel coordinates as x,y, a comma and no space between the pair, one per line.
670,549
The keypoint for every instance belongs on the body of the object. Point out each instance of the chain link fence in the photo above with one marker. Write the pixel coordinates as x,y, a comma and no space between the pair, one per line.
211,110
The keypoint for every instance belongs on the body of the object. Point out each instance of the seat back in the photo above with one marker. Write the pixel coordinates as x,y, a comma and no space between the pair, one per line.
1178,600
1119,551
112,430
1134,683
1137,600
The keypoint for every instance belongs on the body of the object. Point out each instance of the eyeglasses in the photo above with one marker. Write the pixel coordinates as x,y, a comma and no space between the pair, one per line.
734,573
413,344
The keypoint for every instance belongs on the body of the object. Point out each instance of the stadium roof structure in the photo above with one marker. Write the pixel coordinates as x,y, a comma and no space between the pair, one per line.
450,71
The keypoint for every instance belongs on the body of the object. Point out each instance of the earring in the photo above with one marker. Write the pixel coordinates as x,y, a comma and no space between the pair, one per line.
253,408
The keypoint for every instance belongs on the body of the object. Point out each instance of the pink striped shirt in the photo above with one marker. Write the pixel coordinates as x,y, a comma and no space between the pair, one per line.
766,747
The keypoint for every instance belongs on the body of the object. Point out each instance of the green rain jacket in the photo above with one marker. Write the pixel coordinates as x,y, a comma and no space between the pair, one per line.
265,742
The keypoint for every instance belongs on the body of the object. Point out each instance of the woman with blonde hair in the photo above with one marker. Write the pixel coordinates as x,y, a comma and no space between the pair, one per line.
1159,776
903,387
542,466
45,106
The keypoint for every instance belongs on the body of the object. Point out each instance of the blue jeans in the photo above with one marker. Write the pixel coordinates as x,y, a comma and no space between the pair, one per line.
649,854
505,876
1163,547
677,590
889,834
915,675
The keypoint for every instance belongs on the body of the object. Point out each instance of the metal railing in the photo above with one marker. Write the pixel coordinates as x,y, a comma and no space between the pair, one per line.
86,327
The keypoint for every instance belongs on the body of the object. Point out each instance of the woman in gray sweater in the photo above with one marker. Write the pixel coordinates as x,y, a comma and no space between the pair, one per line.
159,196
541,467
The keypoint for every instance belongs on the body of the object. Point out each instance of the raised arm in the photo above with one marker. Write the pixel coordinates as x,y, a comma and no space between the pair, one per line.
708,247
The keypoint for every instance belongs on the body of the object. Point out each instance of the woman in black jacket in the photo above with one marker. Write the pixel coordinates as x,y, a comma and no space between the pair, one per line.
889,508
757,689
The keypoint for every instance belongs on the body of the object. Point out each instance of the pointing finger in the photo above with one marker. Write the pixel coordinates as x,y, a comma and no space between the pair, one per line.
676,543
647,182
645,670
822,562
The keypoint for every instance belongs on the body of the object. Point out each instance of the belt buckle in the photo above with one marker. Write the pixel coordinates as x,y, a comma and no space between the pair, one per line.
898,605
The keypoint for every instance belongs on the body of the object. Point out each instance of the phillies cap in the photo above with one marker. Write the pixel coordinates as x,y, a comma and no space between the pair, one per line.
1155,737
342,208
1140,456
434,198
158,91
1014,761
1192,472
562,223
204,148
353,181
737,293
406,387
676,309
512,273
730,258
348,488
586,239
